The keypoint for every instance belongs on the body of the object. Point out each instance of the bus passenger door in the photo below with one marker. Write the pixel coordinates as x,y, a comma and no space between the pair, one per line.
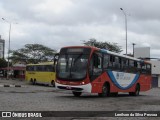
95,69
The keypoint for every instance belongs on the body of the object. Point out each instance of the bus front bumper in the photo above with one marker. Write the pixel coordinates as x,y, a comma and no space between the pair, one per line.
78,88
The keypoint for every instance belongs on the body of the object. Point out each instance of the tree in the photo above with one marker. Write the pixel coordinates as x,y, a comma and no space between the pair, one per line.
32,53
3,63
103,45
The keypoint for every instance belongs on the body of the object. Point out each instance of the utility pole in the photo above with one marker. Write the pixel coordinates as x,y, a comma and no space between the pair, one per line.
125,26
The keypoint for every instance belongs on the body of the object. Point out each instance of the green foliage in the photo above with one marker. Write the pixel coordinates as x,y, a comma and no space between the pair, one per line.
3,63
103,45
32,53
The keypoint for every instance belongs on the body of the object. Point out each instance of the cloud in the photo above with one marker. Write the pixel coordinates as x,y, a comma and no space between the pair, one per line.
58,23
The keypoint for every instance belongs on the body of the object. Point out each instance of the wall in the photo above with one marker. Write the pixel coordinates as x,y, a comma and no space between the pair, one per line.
142,52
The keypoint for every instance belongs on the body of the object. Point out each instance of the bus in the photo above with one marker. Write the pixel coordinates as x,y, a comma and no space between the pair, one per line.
89,69
41,73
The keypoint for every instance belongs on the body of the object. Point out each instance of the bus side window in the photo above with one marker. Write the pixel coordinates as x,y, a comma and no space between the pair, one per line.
148,68
135,64
53,68
30,68
111,61
48,68
125,65
139,67
120,63
143,68
106,60
97,61
131,66
131,63
116,63
95,65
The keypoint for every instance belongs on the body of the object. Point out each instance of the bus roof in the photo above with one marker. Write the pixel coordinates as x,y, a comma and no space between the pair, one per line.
43,63
109,52
120,55
81,47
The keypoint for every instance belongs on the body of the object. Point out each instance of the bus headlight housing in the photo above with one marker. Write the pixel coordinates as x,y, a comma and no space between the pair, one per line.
82,83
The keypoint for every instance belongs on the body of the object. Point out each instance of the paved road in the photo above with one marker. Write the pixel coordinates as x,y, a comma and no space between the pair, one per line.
45,98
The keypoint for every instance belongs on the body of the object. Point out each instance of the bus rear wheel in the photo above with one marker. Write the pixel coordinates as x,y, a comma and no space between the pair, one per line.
34,82
31,81
114,94
137,90
105,91
76,94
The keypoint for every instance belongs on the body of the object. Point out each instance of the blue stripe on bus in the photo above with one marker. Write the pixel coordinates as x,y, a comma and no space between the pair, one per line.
103,50
118,85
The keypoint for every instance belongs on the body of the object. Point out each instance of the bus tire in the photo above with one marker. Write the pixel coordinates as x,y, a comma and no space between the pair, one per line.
31,81
53,83
137,90
34,82
105,91
76,94
114,94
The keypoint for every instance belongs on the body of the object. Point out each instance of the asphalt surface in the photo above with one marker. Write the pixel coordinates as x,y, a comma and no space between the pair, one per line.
47,98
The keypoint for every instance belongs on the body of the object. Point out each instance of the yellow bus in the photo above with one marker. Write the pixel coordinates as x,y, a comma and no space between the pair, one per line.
41,73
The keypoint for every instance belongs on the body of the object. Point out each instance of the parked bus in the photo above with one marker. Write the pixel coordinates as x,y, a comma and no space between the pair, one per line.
93,70
41,73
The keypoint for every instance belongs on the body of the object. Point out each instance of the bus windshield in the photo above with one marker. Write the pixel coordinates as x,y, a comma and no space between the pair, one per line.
72,66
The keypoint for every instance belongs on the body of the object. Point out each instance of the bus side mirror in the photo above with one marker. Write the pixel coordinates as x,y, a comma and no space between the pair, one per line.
56,58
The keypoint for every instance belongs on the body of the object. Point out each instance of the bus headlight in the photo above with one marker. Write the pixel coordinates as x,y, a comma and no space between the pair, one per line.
82,83
57,81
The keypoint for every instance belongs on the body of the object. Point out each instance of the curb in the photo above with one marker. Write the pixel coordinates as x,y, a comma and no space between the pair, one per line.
11,85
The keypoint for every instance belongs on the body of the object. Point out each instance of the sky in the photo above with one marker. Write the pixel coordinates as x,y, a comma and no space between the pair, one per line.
59,23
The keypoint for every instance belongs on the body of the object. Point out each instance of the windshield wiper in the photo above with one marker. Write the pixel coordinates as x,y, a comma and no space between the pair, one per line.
78,57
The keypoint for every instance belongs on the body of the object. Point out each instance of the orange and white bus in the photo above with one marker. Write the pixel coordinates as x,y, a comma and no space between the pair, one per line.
93,70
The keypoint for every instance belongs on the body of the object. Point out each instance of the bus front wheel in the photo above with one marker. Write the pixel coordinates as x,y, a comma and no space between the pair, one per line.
137,90
114,94
76,94
105,91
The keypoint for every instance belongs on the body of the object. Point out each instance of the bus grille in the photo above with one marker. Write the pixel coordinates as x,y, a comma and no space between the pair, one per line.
70,88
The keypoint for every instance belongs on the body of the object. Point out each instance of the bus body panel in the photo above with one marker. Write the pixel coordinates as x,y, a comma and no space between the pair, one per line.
96,85
144,81
78,88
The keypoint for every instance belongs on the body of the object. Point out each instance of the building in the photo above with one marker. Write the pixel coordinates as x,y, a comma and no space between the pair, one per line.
16,71
2,47
155,73
144,52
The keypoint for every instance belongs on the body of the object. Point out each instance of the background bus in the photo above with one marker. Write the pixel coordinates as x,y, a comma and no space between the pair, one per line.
94,70
41,73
